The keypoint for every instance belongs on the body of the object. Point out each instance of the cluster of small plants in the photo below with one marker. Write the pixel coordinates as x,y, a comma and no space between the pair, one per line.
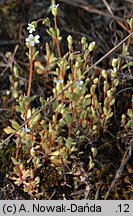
84,109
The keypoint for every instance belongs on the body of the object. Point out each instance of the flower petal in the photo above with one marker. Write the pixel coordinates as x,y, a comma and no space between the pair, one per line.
32,43
37,39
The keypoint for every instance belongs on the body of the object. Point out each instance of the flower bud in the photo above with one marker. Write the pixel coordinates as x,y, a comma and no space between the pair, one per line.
77,65
70,40
32,152
95,81
94,151
92,89
83,40
91,46
54,9
114,62
109,93
46,22
123,119
104,74
114,72
94,127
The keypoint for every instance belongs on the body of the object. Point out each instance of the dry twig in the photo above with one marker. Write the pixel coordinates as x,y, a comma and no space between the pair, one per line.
124,161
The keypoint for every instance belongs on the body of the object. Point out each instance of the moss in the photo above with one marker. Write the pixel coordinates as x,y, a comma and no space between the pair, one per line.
8,20
5,158
50,177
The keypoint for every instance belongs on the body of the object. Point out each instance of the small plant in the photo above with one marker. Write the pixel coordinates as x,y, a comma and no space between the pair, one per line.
84,110
9,62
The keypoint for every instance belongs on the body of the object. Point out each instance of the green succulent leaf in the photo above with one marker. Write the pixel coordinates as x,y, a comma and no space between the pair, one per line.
15,124
15,162
68,118
18,182
35,119
26,174
130,113
9,130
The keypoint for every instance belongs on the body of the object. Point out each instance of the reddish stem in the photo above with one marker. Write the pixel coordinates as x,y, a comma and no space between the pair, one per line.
57,41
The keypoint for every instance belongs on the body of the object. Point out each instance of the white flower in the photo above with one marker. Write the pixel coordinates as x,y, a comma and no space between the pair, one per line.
54,6
91,46
58,81
54,9
31,28
26,129
32,40
79,84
